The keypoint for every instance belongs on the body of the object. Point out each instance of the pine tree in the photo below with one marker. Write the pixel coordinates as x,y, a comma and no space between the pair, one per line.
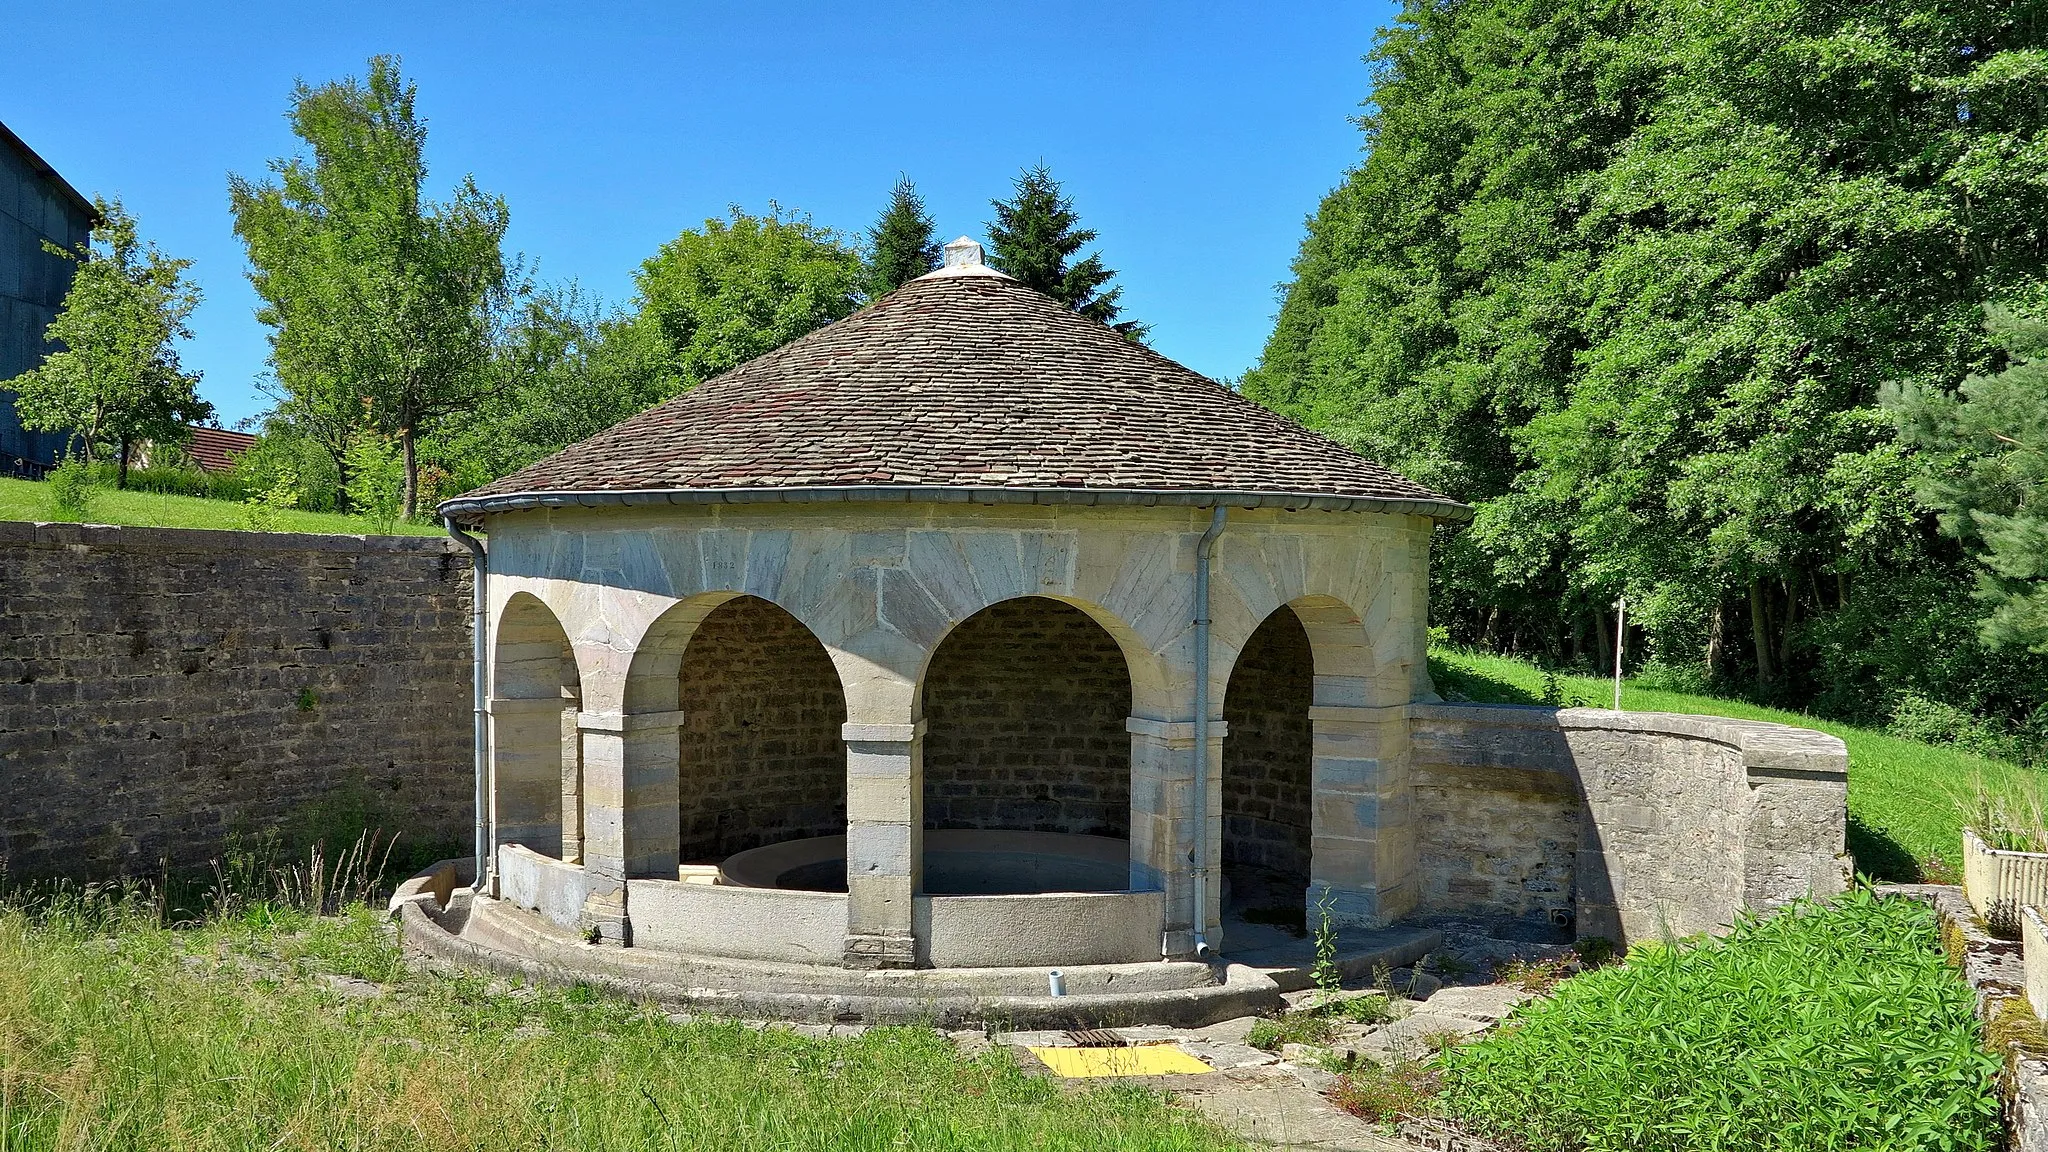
1986,446
1036,233
902,245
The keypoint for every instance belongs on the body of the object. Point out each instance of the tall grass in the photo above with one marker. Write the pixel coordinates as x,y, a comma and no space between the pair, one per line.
236,1034
32,500
1827,1026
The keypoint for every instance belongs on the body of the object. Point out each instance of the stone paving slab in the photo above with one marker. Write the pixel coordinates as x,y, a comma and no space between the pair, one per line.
1289,1117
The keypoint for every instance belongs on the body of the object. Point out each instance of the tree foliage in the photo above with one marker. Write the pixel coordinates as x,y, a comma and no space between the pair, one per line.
381,302
1035,236
115,378
719,296
564,371
902,244
1987,446
1629,277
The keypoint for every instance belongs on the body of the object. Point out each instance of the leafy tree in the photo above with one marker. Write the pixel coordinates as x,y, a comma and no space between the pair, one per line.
381,302
1629,278
116,379
720,296
902,245
1988,449
564,371
1034,236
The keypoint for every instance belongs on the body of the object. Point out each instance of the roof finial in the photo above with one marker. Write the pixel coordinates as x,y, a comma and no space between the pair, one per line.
963,252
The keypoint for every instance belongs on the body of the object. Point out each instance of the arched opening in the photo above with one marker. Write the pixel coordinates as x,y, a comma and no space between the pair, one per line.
761,760
1268,776
536,758
1025,704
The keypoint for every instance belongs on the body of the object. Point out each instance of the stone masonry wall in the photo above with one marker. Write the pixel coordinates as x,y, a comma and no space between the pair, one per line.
161,689
1025,704
1268,758
1625,825
762,759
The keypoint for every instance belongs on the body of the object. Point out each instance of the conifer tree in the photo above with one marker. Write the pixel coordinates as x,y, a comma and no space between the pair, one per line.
1033,237
902,245
1986,448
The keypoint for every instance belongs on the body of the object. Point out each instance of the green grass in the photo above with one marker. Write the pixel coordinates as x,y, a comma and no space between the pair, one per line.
30,500
1906,799
116,1033
1827,1026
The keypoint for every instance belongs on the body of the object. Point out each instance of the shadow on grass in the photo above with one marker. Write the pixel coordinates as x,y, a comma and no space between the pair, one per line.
1457,683
1880,857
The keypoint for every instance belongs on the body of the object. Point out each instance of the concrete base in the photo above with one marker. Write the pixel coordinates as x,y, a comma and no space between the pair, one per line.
482,932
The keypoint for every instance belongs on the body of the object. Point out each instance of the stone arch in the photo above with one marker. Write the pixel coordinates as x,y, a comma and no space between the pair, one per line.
1360,834
1026,702
1267,789
536,760
761,758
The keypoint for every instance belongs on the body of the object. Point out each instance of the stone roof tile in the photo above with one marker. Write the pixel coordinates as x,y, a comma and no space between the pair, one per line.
961,381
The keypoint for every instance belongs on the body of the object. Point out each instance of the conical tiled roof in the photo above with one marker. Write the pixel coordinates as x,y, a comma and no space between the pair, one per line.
963,384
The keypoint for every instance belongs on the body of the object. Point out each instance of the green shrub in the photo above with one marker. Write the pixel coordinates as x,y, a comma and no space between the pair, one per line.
174,481
1827,1026
74,489
1674,677
281,459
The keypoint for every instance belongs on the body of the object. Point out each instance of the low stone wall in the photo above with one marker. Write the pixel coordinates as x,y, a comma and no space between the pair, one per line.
1625,825
161,689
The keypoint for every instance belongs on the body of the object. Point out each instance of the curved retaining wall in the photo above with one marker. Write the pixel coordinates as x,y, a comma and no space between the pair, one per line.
1625,825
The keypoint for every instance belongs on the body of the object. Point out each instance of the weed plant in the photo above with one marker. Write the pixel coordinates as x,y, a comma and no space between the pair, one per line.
1827,1026
74,490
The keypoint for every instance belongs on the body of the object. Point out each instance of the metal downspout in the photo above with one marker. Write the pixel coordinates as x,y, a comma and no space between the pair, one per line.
1201,806
480,572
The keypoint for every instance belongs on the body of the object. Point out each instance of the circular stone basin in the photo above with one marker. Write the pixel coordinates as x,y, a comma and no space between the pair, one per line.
957,862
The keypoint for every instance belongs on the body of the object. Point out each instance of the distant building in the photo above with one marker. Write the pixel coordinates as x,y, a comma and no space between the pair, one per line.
36,204
209,449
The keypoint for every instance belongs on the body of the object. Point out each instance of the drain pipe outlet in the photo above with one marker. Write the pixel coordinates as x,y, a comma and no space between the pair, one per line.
480,718
1201,806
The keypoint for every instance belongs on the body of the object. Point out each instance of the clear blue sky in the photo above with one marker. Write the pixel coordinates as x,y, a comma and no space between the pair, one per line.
1194,137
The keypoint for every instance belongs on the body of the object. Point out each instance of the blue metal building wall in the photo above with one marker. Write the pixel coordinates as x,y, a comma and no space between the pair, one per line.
33,207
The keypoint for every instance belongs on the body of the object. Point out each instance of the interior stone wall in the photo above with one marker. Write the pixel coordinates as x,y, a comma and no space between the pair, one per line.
1268,758
1025,704
163,689
761,754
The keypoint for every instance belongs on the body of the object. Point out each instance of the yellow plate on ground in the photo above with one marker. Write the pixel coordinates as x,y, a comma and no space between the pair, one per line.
1143,1060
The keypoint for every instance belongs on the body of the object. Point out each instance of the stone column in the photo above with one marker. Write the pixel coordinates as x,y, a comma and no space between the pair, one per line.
1363,826
884,842
572,778
526,773
1163,827
631,827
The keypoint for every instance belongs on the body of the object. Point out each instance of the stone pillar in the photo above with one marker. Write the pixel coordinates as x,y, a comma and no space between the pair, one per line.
526,773
1163,828
1363,825
884,842
572,779
631,827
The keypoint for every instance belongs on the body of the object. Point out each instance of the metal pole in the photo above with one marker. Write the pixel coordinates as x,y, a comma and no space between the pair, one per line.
1620,639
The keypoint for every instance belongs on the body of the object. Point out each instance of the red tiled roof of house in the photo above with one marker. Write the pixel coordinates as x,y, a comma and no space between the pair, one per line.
961,379
215,449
